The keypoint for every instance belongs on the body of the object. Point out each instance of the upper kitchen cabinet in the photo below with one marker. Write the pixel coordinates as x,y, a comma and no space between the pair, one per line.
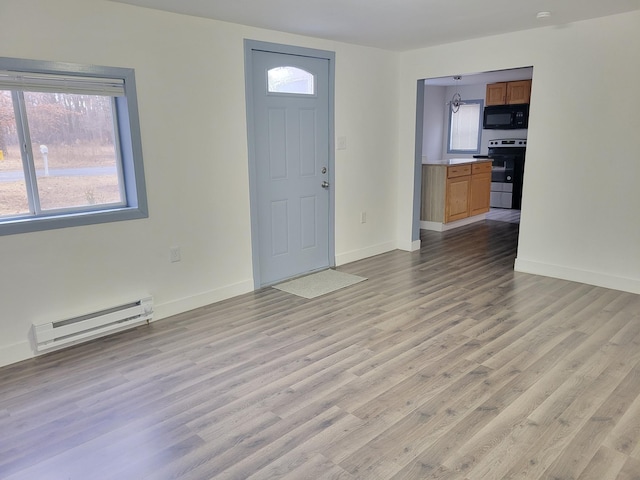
518,92
508,93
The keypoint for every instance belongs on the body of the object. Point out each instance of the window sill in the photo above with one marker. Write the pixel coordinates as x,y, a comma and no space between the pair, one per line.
36,224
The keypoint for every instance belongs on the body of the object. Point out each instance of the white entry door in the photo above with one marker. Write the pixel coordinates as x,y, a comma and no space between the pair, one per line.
291,164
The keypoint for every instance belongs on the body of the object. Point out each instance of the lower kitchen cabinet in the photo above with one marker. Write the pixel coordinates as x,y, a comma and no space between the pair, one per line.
455,192
480,188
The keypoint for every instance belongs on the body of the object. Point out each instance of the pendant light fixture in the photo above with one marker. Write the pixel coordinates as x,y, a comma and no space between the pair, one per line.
456,100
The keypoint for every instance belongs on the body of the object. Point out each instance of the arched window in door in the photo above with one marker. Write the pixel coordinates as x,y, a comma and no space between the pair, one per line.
290,80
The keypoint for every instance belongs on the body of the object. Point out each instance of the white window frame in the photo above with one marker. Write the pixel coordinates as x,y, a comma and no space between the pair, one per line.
470,151
68,78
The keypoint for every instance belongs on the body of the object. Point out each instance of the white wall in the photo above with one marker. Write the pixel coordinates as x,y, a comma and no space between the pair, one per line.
367,115
581,197
433,122
190,81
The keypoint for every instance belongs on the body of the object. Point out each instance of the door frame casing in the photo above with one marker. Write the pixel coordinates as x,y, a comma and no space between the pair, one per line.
249,47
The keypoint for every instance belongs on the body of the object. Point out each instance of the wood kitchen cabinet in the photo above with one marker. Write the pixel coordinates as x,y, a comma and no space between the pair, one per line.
496,94
480,188
508,93
455,192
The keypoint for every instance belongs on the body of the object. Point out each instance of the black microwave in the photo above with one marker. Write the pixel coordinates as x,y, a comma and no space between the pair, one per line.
506,117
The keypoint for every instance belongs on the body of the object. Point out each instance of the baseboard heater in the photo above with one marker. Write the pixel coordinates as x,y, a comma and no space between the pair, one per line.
55,335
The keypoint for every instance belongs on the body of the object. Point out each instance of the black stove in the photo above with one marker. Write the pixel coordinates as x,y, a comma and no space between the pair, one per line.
507,172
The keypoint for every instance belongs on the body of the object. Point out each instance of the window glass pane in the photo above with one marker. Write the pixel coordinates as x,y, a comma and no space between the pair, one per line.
290,80
465,124
74,149
13,190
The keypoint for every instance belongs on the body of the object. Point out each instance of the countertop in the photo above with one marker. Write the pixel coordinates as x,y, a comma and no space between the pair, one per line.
456,161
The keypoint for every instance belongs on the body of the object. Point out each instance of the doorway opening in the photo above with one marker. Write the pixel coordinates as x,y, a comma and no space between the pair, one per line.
452,129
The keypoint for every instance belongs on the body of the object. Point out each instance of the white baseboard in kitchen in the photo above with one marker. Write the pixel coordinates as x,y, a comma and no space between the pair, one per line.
443,227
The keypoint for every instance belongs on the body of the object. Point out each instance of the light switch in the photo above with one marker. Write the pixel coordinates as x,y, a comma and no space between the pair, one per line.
342,143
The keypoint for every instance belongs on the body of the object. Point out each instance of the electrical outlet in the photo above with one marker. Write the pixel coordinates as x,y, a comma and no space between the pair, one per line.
363,217
174,254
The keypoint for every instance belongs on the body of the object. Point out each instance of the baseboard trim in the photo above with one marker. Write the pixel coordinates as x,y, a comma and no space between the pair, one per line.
18,352
443,227
371,251
15,353
576,275
182,305
415,245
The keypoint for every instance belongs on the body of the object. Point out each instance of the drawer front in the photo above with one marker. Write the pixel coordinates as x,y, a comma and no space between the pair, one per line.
484,167
458,171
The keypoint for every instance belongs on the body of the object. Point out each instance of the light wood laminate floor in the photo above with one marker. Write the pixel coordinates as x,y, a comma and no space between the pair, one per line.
510,215
444,364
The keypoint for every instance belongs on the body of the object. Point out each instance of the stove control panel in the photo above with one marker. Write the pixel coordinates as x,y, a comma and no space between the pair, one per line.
508,142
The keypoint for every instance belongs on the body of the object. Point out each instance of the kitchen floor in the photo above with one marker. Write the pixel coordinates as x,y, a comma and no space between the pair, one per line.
504,215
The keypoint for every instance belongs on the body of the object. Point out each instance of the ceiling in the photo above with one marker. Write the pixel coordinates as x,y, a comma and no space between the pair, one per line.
394,24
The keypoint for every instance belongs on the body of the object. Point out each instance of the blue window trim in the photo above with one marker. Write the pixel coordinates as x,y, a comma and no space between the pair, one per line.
130,145
478,143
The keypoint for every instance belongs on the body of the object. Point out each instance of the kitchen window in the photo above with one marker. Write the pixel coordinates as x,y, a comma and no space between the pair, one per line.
70,148
465,128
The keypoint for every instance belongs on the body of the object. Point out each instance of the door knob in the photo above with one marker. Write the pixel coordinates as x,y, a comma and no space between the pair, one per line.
325,184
